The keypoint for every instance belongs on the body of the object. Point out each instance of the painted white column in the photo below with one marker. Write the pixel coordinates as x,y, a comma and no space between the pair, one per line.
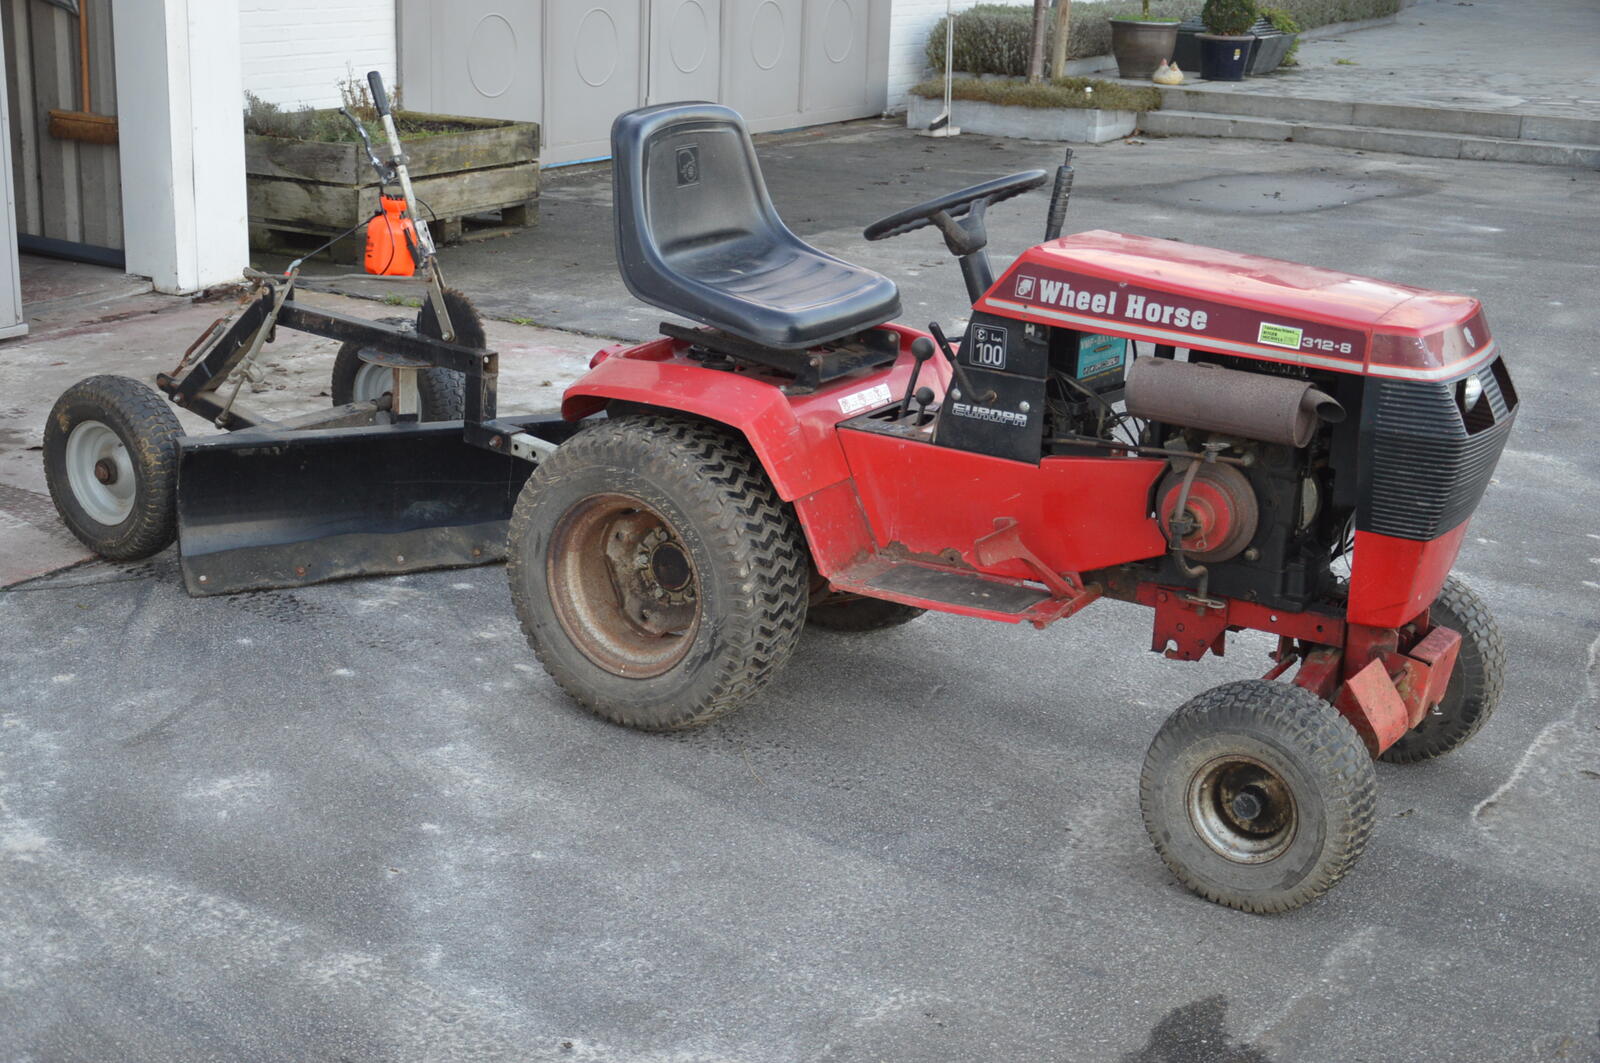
180,103
11,322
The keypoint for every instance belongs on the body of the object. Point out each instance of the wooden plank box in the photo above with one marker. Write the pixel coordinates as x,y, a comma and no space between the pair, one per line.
302,192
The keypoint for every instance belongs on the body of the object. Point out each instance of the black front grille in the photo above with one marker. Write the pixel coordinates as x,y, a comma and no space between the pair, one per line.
1425,460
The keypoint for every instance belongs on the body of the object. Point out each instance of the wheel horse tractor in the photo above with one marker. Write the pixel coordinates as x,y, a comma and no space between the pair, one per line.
1237,443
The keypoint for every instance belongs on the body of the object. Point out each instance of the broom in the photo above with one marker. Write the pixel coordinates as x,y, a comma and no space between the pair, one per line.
83,125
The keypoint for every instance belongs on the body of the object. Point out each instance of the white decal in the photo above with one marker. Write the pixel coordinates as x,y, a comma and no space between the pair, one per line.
877,395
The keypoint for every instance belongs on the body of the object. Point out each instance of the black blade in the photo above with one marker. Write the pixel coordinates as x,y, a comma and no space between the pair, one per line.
284,509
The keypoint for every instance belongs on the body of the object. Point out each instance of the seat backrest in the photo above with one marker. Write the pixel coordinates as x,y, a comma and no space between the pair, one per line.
684,179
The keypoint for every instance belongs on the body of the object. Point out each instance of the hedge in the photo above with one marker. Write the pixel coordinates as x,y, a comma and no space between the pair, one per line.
1057,93
997,38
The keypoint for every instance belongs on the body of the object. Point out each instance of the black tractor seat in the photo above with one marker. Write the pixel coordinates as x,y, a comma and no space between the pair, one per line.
697,235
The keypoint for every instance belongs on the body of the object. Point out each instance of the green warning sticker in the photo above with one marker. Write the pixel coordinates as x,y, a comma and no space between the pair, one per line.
1279,335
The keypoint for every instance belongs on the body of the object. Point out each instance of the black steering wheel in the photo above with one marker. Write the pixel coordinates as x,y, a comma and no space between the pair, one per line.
955,204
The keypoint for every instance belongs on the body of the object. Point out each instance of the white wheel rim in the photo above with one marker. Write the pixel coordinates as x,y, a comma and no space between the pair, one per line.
100,471
372,382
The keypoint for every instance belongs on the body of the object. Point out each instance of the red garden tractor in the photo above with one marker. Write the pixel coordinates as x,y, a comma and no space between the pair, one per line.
1236,442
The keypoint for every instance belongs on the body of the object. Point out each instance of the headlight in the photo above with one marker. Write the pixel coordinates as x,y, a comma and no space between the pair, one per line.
1471,391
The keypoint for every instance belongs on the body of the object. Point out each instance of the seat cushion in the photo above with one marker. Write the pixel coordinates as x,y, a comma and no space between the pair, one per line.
789,295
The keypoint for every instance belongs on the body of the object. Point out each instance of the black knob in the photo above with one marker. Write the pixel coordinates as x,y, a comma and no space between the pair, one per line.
924,397
922,348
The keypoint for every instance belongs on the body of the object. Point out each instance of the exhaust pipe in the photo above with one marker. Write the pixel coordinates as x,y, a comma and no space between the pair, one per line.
1272,409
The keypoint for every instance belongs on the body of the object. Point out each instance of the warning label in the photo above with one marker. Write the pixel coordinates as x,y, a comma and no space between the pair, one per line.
1280,335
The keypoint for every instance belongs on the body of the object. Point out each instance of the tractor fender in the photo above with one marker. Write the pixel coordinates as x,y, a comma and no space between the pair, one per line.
793,436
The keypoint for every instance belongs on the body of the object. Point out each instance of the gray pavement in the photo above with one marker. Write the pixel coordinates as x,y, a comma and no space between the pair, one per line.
358,822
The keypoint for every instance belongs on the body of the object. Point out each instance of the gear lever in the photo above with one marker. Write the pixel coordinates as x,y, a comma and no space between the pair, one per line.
921,349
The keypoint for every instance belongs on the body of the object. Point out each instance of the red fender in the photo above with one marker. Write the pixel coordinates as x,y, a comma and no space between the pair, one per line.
792,435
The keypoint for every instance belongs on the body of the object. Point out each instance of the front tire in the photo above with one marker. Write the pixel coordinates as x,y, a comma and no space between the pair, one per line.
1258,795
441,392
658,577
111,462
1475,685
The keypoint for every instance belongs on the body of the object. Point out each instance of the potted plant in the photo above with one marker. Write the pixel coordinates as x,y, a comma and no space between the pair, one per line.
1142,44
1225,47
1275,48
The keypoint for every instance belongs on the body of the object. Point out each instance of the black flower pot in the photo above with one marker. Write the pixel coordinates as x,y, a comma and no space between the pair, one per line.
1224,58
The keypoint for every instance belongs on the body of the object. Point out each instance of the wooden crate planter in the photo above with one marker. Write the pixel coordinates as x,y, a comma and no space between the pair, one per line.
302,192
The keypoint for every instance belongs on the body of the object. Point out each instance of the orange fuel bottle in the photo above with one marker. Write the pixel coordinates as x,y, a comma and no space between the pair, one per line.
389,239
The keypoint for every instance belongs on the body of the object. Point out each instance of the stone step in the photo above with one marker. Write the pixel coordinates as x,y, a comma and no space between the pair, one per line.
1498,124
1372,138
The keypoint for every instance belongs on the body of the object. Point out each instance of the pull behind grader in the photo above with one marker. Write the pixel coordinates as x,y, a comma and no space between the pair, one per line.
1205,433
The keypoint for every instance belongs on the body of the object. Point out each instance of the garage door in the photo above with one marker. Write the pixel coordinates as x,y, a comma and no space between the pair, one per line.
574,65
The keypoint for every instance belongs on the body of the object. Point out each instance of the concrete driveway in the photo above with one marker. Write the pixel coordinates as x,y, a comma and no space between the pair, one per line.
357,821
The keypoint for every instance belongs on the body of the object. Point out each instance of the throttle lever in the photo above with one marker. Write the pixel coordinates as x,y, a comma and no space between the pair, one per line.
956,367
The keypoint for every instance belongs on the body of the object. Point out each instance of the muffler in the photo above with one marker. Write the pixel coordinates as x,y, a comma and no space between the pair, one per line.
1272,409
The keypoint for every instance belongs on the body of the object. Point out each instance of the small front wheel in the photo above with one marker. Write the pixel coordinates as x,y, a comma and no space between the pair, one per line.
657,575
1475,684
1258,795
111,462
440,391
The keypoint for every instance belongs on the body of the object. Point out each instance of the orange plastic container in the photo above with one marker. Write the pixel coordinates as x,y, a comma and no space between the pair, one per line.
390,236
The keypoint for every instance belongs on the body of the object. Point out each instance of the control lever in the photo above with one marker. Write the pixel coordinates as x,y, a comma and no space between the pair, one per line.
955,366
921,350
924,397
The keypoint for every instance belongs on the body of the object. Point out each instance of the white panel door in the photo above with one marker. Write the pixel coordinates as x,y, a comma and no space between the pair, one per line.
483,57
592,74
685,50
834,77
761,57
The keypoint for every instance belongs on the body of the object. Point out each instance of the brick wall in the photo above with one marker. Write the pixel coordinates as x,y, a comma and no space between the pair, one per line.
297,51
910,21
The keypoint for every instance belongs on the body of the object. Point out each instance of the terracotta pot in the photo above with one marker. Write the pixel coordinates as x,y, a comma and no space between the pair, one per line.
1141,46
1224,58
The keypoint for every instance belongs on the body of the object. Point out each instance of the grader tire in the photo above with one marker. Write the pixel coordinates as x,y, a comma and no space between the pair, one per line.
111,463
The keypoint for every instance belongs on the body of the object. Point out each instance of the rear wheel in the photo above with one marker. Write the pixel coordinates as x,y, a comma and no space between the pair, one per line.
440,392
111,462
852,613
1475,685
657,575
1258,795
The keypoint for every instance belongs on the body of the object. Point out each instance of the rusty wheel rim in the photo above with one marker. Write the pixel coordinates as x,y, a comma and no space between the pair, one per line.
623,585
1242,809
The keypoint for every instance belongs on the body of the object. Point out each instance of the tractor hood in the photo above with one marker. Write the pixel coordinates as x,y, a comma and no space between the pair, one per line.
1173,293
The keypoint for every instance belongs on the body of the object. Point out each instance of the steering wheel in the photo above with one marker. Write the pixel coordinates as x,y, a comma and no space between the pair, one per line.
955,204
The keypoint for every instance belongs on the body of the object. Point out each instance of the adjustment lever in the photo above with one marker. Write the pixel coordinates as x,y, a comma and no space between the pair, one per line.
921,350
955,366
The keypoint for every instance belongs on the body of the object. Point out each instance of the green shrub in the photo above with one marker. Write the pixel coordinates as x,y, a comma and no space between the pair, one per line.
1284,22
997,38
1229,18
1060,92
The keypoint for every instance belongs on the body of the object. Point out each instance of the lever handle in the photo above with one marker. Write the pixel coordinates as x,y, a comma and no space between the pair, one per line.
956,367
380,99
1058,199
921,350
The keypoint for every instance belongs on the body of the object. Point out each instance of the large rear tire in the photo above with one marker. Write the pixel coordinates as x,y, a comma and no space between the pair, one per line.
1475,685
1258,795
657,575
111,463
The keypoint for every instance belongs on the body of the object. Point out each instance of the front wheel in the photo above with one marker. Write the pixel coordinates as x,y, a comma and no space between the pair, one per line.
1258,795
657,575
1474,687
856,615
111,462
440,391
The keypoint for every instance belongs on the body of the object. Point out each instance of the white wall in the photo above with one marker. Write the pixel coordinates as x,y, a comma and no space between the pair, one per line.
297,51
909,25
